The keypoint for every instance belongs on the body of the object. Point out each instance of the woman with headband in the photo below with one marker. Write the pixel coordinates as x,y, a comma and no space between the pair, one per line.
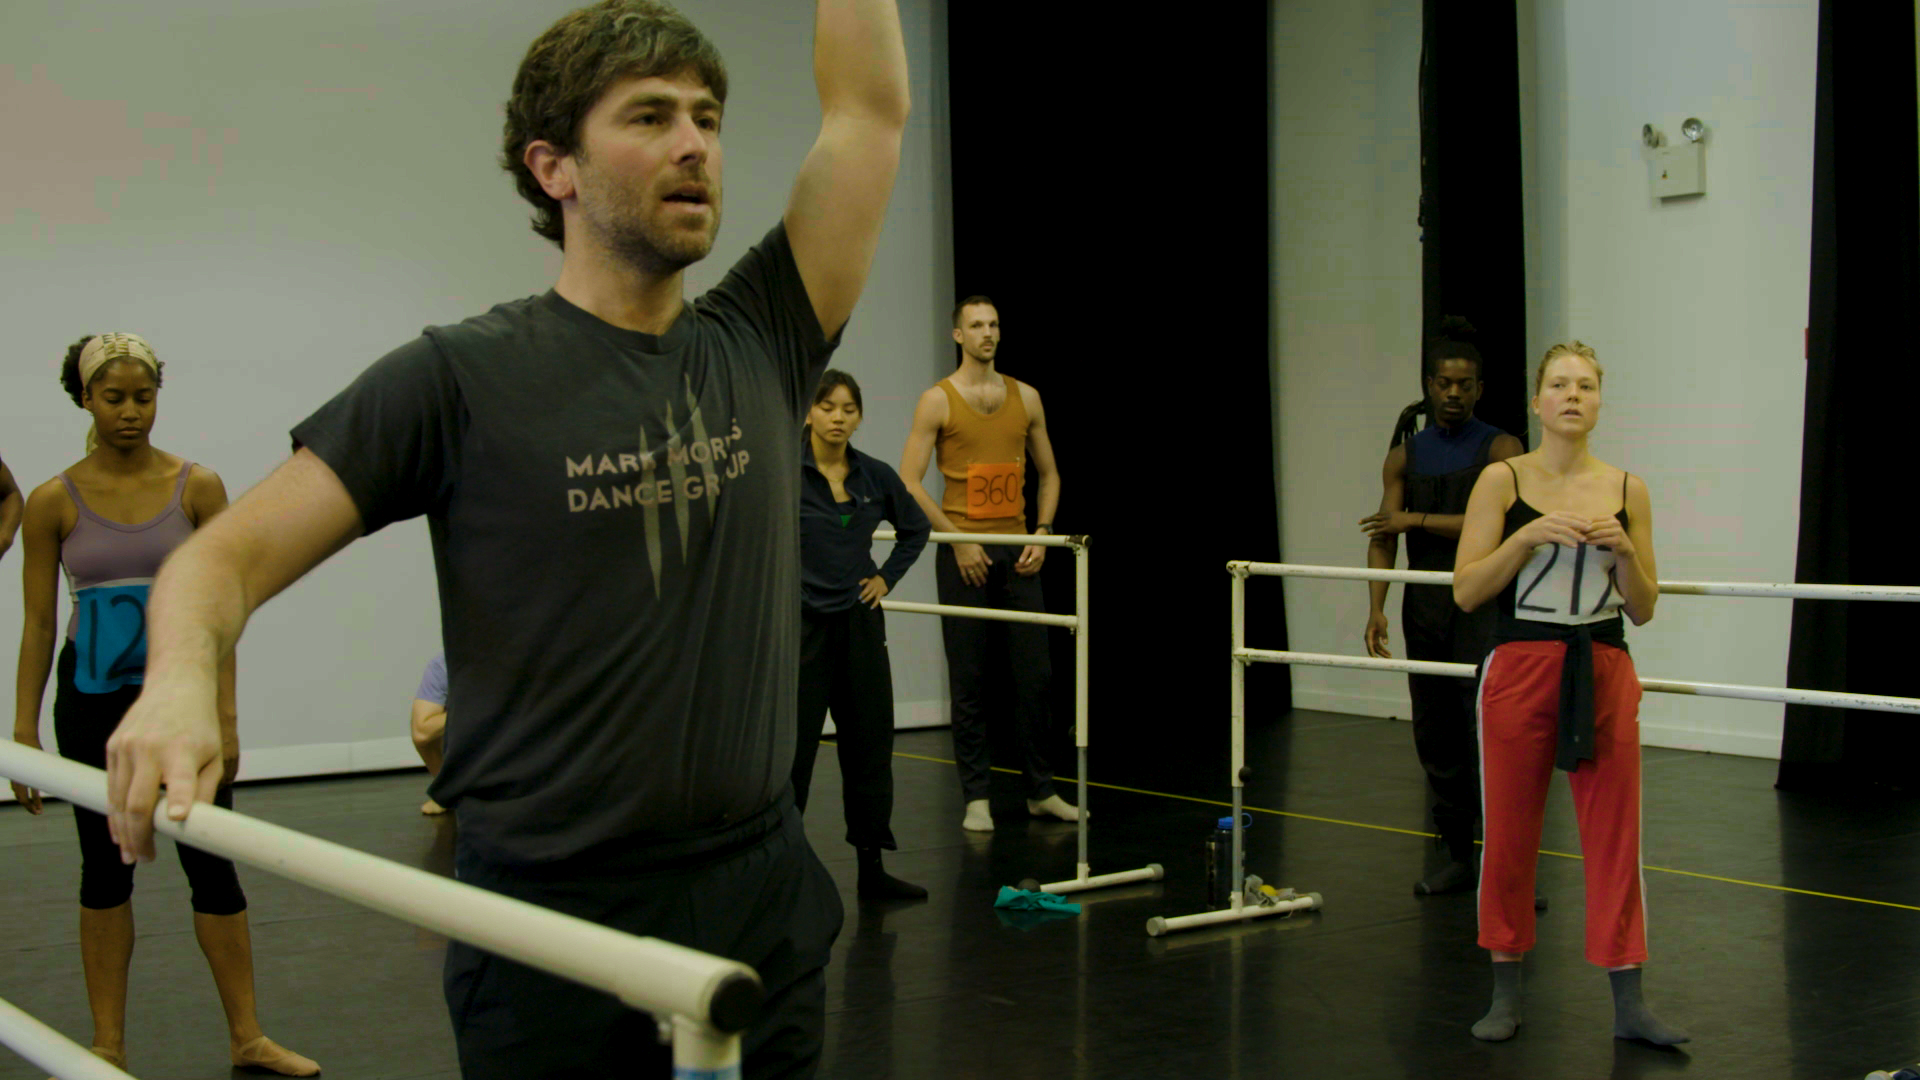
109,521
1562,542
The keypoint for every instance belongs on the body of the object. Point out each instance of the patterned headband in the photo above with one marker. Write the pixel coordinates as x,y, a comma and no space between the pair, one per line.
106,348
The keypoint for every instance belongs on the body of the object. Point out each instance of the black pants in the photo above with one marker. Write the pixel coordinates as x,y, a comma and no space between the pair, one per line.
759,896
83,723
844,667
1443,708
977,648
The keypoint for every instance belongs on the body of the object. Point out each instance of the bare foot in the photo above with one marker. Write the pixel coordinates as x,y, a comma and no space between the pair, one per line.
430,808
264,1053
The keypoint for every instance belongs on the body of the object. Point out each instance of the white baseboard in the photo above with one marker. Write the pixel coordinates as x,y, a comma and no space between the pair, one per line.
1738,744
1338,701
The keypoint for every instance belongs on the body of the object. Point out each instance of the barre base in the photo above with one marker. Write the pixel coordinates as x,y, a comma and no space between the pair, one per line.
1085,881
1239,912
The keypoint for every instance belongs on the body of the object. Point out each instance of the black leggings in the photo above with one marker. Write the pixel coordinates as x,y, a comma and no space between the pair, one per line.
83,722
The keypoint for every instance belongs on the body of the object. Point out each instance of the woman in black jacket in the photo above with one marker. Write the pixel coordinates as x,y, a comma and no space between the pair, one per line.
844,497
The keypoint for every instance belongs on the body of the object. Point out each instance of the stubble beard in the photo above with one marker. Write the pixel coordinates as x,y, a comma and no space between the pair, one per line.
620,223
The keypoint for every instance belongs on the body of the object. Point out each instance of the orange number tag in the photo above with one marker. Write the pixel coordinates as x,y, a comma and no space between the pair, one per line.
993,491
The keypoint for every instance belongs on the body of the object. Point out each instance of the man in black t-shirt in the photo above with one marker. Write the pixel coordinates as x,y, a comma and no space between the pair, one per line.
610,475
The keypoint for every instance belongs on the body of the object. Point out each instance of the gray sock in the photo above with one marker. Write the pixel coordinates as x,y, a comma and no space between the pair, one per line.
1632,1019
1503,1019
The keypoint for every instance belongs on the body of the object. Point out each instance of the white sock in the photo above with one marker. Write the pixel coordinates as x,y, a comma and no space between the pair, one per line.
979,817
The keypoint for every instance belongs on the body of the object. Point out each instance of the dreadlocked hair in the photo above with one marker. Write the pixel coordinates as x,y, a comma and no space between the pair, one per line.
1453,341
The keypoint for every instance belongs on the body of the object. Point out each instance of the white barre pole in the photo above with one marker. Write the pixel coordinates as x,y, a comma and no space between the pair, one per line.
989,539
1783,695
909,607
645,973
1906,593
50,1050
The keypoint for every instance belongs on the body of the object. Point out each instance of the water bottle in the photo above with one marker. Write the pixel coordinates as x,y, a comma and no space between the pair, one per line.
1220,861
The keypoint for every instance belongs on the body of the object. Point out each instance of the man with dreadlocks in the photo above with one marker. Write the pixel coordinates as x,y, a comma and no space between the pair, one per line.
1426,480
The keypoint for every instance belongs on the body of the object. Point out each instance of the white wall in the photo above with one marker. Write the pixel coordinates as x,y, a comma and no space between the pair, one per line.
1695,306
276,193
1346,266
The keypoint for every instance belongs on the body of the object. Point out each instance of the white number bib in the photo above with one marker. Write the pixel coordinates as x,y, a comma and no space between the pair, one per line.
1568,586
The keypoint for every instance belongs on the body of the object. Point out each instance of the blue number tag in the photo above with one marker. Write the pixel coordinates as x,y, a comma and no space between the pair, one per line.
110,637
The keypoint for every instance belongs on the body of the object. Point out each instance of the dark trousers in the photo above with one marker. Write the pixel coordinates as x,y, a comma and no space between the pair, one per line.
976,649
761,897
1443,709
83,722
844,667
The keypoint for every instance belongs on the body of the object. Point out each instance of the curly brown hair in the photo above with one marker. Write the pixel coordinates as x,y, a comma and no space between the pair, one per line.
567,68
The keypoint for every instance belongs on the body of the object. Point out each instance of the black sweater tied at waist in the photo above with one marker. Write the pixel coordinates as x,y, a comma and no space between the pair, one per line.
1576,734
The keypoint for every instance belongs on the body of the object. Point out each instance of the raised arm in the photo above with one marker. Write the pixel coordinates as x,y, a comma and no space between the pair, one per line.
840,197
12,506
293,521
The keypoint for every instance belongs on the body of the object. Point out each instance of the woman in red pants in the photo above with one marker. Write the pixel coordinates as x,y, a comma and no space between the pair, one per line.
1563,542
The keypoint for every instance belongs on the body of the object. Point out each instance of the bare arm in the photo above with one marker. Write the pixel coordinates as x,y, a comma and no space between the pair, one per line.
39,586
12,506
293,521
1040,446
840,197
429,723
1633,569
1383,548
206,498
928,416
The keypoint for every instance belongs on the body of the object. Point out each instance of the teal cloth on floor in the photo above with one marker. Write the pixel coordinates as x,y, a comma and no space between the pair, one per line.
1025,900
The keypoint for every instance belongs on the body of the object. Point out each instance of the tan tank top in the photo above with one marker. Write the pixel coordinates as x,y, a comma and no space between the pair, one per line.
984,460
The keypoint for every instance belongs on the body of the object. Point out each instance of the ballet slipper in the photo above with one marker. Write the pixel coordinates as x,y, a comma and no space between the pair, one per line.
264,1053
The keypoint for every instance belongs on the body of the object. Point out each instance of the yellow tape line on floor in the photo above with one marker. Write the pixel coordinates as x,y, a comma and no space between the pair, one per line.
1416,832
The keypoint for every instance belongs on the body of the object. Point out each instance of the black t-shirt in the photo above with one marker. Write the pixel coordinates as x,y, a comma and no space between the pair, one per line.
615,532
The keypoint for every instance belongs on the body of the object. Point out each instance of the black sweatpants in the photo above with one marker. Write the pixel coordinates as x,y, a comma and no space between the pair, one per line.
975,648
1443,708
844,667
756,894
83,723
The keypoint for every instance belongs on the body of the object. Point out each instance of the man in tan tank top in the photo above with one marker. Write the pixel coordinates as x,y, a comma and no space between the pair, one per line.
981,427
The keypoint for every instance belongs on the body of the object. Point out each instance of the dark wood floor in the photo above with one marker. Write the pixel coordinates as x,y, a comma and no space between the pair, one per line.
1773,982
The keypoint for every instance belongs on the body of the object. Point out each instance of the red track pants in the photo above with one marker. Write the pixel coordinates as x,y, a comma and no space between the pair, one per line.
1519,727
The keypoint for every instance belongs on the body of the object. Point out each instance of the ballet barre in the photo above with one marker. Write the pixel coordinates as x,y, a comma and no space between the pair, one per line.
50,1050
703,1002
1787,591
1239,910
1078,623
1778,694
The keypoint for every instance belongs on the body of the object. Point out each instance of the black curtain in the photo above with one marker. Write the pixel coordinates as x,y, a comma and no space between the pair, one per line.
1114,205
1473,255
1855,522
